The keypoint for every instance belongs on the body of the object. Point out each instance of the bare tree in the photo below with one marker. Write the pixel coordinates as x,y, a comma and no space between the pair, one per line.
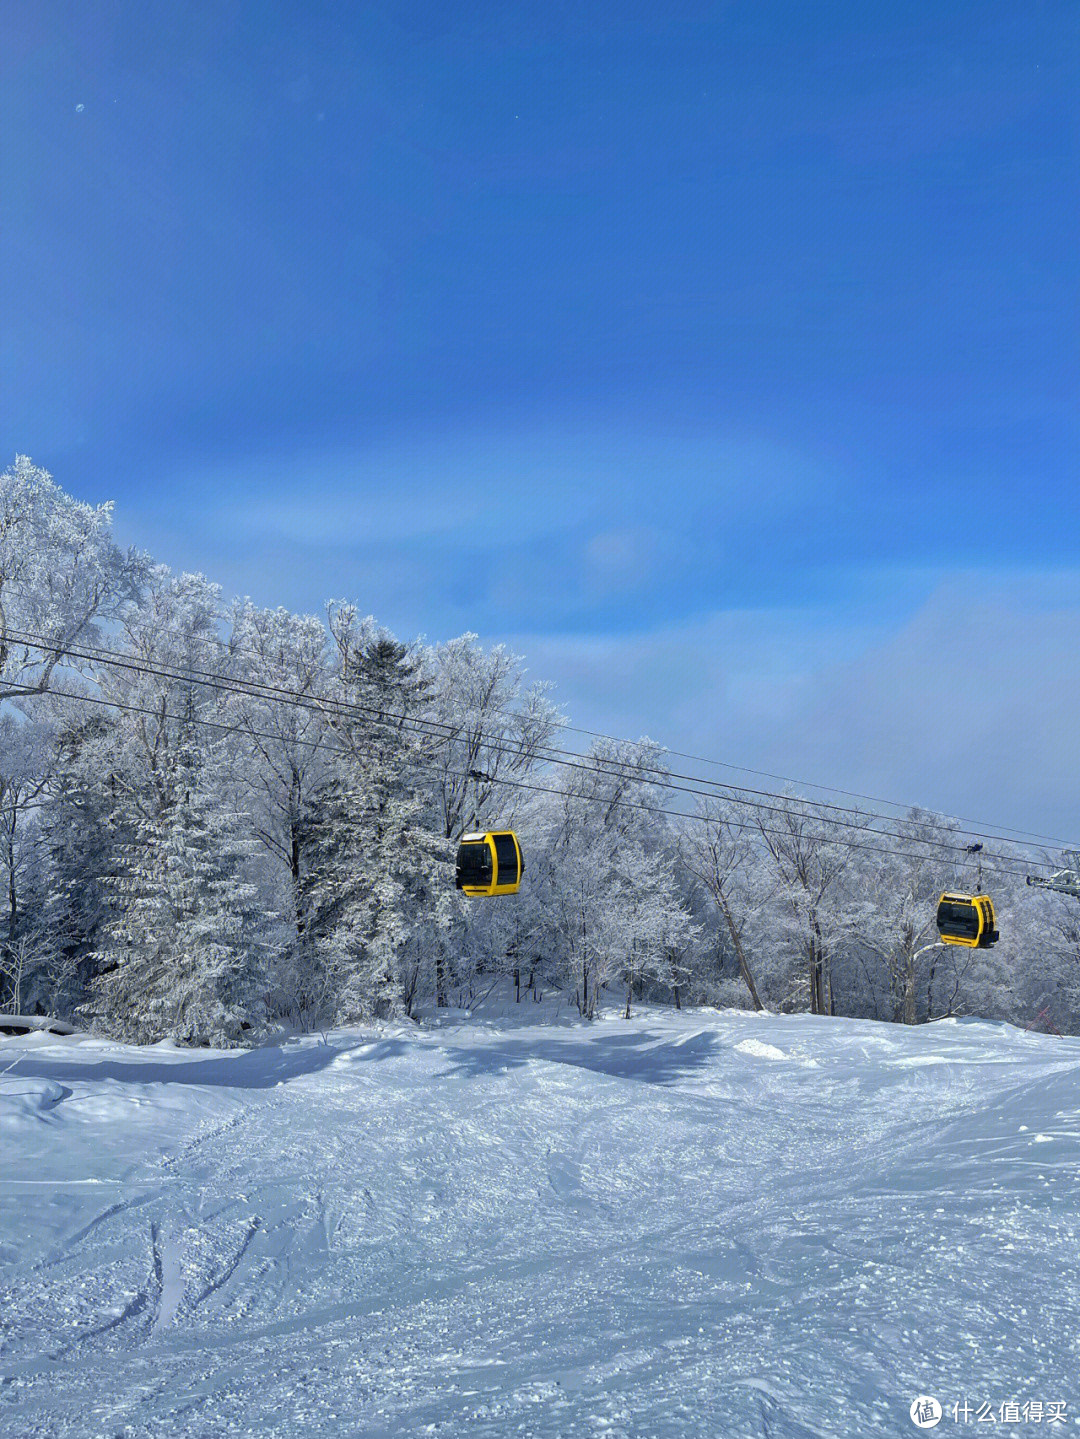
801,837
278,755
720,853
487,731
59,573
893,912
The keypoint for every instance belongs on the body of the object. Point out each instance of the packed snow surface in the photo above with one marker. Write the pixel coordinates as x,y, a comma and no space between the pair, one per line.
698,1224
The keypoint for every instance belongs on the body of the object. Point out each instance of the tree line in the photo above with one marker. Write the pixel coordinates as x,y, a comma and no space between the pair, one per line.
218,822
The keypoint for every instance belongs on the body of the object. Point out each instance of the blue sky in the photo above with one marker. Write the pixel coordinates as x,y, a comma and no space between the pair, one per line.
708,353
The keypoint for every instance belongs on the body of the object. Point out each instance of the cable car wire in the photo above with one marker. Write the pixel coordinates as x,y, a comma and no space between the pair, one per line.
443,730
321,704
605,800
602,764
555,755
984,826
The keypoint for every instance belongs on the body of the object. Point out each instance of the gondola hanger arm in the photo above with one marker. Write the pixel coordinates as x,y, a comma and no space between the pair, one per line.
934,944
1062,882
1065,880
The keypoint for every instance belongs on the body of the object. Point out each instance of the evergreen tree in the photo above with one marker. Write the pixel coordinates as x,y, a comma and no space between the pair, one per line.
375,866
188,941
83,833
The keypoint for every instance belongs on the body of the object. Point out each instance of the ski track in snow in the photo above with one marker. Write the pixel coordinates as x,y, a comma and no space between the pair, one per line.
690,1224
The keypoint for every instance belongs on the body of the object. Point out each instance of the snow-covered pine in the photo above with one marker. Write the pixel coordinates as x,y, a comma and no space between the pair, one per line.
80,836
188,940
27,750
374,866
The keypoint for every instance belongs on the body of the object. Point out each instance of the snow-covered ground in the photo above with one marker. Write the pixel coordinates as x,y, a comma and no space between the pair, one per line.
692,1224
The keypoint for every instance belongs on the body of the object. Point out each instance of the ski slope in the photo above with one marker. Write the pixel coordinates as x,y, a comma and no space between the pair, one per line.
697,1224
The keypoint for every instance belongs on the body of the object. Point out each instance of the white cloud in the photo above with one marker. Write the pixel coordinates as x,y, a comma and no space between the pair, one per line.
968,703
511,484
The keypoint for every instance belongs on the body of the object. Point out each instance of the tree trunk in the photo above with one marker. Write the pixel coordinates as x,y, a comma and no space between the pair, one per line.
930,985
294,870
584,966
813,976
817,968
740,955
909,993
440,980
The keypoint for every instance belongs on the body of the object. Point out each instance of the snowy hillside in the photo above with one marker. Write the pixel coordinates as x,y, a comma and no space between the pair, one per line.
698,1224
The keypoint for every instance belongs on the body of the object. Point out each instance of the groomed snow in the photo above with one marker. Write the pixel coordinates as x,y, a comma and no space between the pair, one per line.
692,1224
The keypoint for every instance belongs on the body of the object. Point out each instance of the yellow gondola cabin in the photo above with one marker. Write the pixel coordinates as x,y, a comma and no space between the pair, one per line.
489,862
967,919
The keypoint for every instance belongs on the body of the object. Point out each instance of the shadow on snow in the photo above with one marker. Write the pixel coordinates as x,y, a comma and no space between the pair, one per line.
239,1069
646,1057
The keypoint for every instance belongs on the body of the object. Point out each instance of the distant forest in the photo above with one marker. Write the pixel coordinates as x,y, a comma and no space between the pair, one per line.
220,822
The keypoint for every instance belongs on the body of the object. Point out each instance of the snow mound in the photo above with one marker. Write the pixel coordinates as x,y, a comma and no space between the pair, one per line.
760,1049
28,1100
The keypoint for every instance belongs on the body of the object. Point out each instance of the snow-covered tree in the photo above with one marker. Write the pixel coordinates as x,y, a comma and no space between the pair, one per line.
656,927
1042,928
59,573
888,914
487,731
581,908
375,867
719,850
189,943
607,803
278,752
82,832
27,747
808,848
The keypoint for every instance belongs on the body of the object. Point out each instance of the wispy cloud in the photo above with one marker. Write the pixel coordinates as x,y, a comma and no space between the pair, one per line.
967,702
560,523
523,481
